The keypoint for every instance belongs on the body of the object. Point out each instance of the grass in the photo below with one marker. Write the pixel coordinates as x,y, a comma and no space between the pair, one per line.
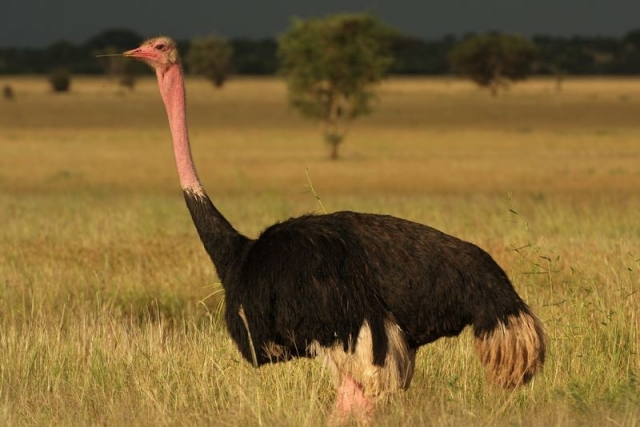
105,318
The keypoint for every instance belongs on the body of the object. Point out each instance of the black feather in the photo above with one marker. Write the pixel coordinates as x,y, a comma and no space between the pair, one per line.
320,277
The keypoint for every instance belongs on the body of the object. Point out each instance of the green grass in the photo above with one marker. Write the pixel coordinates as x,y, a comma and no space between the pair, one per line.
105,316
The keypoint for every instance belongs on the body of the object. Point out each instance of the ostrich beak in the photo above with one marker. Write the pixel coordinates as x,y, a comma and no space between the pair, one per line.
135,53
141,53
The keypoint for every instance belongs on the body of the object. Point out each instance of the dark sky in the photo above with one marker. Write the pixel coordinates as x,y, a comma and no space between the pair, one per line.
40,22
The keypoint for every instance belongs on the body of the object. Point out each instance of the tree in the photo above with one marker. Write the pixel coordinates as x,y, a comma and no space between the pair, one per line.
493,60
332,66
60,80
211,57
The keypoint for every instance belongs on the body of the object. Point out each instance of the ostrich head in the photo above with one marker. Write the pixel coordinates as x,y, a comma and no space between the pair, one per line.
159,52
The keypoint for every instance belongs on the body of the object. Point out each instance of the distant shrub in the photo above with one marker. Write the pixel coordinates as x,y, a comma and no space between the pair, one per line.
7,91
211,57
128,81
60,80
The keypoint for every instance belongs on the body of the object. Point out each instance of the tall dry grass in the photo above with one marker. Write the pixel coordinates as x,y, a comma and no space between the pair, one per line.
103,284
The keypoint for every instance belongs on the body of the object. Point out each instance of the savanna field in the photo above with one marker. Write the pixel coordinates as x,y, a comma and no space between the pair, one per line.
110,310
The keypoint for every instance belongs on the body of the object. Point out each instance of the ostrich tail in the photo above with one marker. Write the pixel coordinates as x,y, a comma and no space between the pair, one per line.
514,350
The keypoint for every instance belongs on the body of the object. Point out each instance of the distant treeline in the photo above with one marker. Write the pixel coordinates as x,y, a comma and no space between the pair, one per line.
412,55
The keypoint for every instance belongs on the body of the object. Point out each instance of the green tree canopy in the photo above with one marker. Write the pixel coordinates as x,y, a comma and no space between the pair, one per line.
493,60
332,66
211,57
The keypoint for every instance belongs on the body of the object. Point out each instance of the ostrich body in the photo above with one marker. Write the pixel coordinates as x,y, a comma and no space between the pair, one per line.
364,291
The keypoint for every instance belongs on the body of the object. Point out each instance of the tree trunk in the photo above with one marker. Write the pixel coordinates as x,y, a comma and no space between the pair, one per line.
559,80
493,87
334,151
334,139
332,134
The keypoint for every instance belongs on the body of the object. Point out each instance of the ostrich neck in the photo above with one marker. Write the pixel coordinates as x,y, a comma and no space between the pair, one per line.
222,242
172,90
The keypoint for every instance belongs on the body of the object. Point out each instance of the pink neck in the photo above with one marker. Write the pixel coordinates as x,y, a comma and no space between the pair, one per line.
171,84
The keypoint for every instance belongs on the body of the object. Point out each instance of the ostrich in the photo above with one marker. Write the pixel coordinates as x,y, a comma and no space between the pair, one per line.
362,291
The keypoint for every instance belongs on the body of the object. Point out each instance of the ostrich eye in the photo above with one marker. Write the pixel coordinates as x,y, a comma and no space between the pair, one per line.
161,46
